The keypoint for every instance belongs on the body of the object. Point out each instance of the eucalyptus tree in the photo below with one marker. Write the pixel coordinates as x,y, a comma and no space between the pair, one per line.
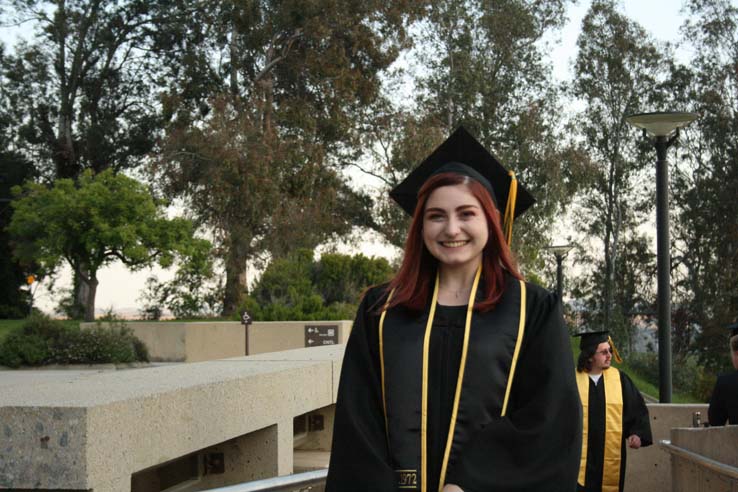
81,87
263,107
617,72
483,65
706,181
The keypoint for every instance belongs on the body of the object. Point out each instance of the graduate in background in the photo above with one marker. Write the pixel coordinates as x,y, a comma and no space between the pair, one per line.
614,415
457,374
724,401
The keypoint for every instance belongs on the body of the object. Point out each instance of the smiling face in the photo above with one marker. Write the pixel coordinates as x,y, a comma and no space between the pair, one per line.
455,229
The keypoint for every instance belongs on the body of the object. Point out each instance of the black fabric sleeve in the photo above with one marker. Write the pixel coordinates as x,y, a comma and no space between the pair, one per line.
536,447
717,414
359,456
635,412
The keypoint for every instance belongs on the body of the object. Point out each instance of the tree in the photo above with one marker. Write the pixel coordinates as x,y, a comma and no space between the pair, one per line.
483,68
617,70
14,301
263,107
81,91
100,219
706,182
297,287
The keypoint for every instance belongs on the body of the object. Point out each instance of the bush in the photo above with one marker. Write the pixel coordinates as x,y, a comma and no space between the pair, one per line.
41,341
689,377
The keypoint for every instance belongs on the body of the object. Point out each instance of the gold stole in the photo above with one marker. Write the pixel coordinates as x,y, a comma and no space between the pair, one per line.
459,382
613,427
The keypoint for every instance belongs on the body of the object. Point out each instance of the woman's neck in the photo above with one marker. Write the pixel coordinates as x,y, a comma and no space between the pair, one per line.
455,283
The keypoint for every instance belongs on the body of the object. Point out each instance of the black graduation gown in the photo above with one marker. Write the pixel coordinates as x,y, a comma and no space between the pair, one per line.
534,447
635,421
724,400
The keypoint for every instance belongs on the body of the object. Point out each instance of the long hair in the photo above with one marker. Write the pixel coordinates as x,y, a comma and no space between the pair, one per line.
584,363
414,281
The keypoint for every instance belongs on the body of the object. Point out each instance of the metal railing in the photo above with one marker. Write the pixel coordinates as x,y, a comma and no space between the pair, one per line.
289,483
712,465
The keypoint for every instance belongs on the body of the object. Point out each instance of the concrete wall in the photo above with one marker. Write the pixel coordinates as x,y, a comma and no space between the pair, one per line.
201,341
188,342
94,431
650,468
275,336
715,443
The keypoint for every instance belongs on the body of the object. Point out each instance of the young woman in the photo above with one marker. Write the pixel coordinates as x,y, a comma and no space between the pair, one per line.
458,375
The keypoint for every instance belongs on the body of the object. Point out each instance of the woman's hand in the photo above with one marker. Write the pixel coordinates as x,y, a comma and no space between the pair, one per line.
449,487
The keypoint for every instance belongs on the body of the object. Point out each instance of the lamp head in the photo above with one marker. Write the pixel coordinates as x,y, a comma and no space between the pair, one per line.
663,123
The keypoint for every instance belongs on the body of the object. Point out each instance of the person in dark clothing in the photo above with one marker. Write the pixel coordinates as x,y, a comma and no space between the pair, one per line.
615,415
724,400
456,375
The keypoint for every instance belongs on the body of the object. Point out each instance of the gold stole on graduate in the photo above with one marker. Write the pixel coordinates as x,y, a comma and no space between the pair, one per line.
412,474
613,427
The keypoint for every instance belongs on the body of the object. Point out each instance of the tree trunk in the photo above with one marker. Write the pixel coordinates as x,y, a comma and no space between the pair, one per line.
235,266
89,302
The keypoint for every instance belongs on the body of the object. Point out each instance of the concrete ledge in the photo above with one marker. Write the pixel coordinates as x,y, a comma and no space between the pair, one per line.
93,431
649,468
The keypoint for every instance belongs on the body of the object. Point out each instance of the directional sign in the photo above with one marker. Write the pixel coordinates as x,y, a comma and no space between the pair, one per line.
318,335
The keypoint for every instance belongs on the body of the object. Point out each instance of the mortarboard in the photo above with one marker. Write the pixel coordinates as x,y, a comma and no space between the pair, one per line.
733,329
461,153
594,338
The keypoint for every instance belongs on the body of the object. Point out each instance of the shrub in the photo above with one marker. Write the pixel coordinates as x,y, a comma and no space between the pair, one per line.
19,349
41,340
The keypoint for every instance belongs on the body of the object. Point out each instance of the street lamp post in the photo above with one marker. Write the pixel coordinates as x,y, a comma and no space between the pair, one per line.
560,253
664,127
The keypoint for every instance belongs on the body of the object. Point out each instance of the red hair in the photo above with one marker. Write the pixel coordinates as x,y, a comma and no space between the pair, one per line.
413,284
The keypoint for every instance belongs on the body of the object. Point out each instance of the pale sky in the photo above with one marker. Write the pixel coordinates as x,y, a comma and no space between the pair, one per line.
120,289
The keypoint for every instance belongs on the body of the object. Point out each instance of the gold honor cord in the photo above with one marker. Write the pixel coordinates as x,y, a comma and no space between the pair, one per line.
424,409
518,343
510,208
460,380
381,364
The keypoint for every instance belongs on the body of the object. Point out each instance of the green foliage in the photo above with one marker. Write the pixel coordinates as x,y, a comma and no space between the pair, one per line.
192,292
255,144
705,184
79,99
617,72
96,221
299,288
14,299
41,341
690,379
483,67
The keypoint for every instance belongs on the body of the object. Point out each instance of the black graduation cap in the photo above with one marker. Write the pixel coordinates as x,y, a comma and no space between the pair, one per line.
594,338
733,329
463,154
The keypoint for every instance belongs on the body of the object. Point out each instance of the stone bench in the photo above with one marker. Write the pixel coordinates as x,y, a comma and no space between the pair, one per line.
208,424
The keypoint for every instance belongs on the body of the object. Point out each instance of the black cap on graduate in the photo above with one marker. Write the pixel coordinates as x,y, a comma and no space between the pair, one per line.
591,339
463,154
